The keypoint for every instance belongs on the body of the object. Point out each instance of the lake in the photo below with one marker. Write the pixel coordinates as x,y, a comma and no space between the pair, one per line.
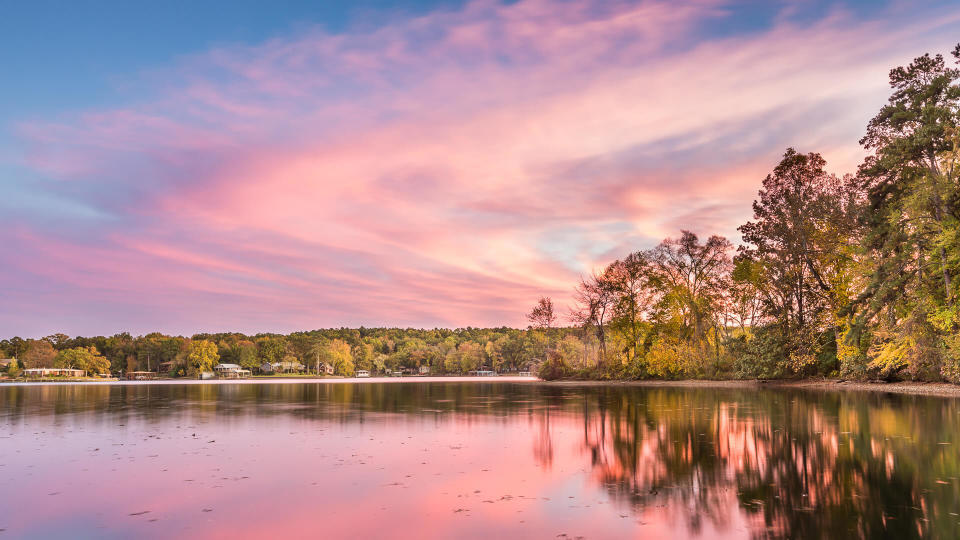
490,458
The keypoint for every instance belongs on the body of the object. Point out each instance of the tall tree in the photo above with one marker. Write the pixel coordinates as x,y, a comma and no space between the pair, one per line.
800,241
542,315
595,298
693,277
630,279
202,355
39,353
912,184
337,354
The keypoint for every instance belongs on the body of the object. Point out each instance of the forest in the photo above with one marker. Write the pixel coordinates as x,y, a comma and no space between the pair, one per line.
849,276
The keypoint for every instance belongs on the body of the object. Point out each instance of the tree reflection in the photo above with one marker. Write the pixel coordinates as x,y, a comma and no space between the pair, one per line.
796,465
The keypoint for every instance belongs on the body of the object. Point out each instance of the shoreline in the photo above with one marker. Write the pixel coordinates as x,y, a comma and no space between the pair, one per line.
274,380
938,389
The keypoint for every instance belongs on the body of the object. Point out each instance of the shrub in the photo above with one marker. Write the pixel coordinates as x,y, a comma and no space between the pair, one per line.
553,368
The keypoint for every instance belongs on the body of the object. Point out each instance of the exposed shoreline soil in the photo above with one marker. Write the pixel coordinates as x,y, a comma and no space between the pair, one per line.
915,388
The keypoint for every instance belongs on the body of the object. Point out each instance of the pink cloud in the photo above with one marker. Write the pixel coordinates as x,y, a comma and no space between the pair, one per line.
445,169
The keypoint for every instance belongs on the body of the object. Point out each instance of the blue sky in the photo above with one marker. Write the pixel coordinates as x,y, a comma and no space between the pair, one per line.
60,55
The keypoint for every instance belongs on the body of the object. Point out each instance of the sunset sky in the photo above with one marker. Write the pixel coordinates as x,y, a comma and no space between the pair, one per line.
281,166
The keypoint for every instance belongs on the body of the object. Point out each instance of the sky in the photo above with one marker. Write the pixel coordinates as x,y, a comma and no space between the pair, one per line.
246,166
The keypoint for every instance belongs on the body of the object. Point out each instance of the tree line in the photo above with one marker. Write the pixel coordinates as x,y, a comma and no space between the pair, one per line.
851,276
378,350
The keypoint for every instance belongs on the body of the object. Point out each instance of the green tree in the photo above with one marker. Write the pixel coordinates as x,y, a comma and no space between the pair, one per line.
797,254
338,355
693,279
245,353
58,340
201,356
470,356
13,368
631,281
271,349
85,358
909,303
363,356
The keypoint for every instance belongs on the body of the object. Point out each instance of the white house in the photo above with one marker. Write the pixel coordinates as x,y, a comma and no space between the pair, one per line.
230,371
54,372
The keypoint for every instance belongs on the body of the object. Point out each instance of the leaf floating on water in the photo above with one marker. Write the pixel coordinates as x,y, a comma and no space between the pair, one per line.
139,513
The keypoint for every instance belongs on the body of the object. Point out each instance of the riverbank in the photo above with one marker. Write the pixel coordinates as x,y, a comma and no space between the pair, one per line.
277,380
915,388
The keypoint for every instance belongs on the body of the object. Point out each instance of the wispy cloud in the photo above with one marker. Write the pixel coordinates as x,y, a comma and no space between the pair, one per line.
439,170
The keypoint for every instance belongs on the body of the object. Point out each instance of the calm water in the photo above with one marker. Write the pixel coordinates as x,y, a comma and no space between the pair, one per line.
473,460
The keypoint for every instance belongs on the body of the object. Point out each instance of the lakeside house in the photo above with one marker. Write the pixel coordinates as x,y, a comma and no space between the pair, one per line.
424,370
284,367
142,375
326,368
363,373
5,363
230,371
482,373
54,372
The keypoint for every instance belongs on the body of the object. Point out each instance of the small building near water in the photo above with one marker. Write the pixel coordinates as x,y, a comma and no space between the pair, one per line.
363,373
326,368
286,367
230,371
54,372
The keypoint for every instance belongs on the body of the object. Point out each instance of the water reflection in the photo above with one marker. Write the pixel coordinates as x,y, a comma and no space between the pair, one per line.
477,459
798,464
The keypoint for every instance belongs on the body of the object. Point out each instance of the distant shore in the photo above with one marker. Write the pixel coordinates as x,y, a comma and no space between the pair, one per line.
915,388
270,380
